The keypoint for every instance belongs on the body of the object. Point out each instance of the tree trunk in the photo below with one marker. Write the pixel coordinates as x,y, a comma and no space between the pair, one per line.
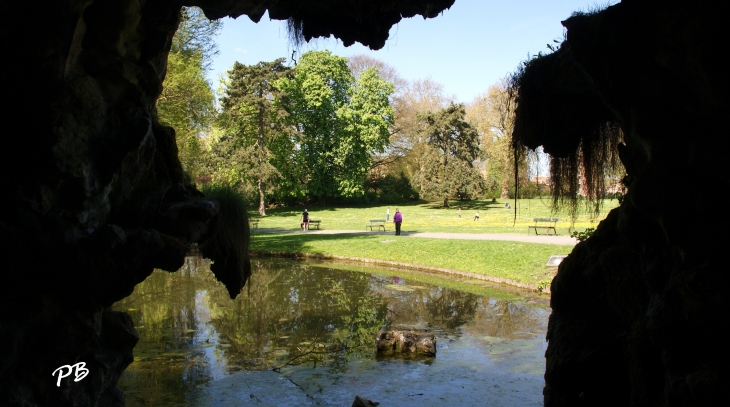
261,157
505,189
505,178
262,198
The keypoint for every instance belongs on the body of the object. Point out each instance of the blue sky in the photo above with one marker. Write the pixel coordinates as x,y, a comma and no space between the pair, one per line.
467,48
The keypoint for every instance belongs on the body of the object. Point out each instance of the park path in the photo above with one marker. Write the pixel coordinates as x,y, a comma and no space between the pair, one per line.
542,239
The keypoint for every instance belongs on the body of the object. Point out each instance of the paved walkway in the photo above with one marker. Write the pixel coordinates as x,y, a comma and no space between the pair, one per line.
543,239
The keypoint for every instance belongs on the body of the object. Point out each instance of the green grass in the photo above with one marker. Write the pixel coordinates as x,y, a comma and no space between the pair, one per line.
432,217
523,262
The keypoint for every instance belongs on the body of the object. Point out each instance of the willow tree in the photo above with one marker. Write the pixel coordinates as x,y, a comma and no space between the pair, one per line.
447,169
254,117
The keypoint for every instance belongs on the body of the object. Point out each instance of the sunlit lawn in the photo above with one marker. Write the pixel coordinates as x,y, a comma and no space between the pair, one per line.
524,262
432,217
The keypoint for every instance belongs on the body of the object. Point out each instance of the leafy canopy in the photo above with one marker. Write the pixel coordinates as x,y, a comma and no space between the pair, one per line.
447,169
187,103
342,121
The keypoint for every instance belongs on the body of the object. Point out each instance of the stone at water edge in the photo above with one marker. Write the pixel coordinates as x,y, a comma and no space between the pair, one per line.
406,341
363,402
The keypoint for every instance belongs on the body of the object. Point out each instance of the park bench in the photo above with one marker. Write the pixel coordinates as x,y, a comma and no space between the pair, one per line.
375,223
314,223
253,223
544,223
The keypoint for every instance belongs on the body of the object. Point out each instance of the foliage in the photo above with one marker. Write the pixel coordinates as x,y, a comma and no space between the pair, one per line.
342,121
391,189
231,164
254,119
493,115
544,284
447,168
407,141
187,103
584,235
576,127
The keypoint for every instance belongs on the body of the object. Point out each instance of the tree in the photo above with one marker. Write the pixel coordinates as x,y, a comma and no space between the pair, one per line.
342,121
448,168
361,63
493,115
253,114
187,103
416,98
396,150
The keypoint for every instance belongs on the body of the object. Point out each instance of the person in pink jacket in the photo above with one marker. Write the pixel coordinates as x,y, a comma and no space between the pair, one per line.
397,219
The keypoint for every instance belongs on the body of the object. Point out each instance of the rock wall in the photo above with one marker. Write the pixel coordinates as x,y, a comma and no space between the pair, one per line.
640,307
94,197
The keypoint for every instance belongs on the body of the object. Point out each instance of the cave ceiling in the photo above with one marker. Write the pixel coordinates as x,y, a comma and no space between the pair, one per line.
367,22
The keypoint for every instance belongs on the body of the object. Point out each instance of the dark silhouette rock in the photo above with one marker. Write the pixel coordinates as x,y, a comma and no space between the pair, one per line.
363,402
639,307
94,196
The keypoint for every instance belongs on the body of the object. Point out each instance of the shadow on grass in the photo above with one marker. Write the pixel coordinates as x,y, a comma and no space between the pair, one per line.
469,205
296,242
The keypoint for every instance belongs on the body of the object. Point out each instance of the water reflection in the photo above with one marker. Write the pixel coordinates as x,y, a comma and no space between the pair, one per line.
292,314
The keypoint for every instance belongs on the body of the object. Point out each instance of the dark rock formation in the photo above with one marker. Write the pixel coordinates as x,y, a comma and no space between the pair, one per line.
94,196
640,307
363,402
406,341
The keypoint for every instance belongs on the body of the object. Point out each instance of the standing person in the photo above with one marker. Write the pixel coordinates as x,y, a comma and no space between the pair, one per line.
387,214
476,216
397,219
305,220
459,212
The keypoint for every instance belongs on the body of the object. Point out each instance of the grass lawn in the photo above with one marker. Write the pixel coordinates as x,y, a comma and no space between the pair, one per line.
523,262
432,217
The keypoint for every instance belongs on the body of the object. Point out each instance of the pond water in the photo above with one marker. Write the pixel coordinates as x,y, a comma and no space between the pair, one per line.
303,334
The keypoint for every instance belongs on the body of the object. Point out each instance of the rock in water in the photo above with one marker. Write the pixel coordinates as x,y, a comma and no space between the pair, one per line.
363,402
406,341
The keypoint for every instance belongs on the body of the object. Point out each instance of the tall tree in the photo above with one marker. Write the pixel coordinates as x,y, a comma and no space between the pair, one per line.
493,115
447,168
252,112
342,121
396,150
416,99
187,103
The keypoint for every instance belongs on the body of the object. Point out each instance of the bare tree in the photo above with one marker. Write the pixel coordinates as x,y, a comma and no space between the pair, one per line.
492,114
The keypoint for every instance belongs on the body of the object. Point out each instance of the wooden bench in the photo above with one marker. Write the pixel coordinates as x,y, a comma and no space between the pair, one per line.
375,223
550,225
314,223
253,223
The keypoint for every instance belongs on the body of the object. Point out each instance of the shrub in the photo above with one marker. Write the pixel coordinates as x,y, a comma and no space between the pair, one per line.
582,236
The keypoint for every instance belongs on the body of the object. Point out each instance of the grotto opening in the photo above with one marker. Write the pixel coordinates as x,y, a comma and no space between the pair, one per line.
94,197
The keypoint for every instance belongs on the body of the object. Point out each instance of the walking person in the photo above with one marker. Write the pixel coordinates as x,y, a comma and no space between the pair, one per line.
305,220
397,219
459,212
476,216
387,214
